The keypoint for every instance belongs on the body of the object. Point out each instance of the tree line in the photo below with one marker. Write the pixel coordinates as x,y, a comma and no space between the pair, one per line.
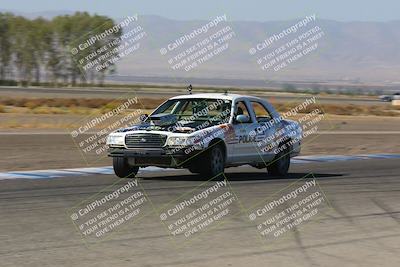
39,50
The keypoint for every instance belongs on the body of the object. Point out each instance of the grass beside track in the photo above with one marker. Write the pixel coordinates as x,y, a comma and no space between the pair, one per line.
85,106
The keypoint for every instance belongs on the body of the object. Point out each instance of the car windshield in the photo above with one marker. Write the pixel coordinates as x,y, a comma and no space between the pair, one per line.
196,109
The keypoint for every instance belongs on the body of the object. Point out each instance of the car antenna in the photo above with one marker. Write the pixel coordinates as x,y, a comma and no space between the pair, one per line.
189,88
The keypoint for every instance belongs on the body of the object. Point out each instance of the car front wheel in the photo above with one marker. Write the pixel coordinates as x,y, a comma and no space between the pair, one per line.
122,169
214,162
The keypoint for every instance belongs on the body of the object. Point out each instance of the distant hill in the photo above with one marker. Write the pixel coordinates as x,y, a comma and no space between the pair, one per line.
359,51
349,51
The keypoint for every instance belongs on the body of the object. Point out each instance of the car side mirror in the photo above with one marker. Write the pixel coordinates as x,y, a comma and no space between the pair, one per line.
242,118
143,117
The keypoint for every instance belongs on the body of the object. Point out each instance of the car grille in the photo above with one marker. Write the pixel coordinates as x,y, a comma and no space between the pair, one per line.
144,140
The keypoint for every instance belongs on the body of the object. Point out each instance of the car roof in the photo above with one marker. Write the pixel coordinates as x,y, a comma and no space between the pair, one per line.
224,96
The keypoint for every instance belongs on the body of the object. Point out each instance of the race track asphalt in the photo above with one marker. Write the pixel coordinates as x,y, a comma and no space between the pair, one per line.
359,227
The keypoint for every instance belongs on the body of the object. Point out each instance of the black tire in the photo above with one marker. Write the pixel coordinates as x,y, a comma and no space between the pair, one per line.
213,163
195,168
280,165
122,169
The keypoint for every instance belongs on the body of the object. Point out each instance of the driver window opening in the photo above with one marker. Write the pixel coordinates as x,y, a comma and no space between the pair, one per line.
262,114
241,109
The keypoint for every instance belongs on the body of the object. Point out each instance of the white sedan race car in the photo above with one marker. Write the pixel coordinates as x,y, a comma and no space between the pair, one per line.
207,133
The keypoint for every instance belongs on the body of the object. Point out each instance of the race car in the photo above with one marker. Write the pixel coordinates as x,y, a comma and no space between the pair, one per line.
207,133
390,98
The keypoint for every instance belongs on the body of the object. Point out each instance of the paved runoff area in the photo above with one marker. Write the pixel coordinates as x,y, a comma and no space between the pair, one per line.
329,211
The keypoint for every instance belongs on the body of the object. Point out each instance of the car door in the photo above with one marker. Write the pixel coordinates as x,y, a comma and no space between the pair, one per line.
267,132
244,147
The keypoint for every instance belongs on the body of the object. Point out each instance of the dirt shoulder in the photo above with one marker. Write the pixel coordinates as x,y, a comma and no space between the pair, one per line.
48,148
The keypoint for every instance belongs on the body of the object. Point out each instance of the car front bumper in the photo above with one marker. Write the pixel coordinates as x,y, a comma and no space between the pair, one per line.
158,157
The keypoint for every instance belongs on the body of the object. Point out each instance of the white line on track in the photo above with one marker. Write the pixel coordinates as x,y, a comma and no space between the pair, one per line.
56,173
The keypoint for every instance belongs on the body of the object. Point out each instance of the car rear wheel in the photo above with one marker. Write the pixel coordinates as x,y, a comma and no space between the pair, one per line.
122,169
280,165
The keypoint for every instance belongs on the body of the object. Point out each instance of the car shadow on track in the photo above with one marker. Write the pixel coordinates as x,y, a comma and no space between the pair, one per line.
244,176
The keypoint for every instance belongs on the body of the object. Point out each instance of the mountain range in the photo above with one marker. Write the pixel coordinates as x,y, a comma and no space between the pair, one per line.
348,51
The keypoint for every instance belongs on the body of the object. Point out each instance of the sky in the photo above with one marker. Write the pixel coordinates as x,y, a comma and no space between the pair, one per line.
254,10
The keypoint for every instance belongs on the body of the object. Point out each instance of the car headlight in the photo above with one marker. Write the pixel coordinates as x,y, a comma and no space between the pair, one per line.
182,141
178,141
114,139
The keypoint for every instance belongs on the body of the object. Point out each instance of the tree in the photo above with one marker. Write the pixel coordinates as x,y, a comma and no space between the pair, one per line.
5,44
21,49
40,49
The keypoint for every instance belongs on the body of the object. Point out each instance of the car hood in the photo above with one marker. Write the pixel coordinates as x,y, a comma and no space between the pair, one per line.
172,128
